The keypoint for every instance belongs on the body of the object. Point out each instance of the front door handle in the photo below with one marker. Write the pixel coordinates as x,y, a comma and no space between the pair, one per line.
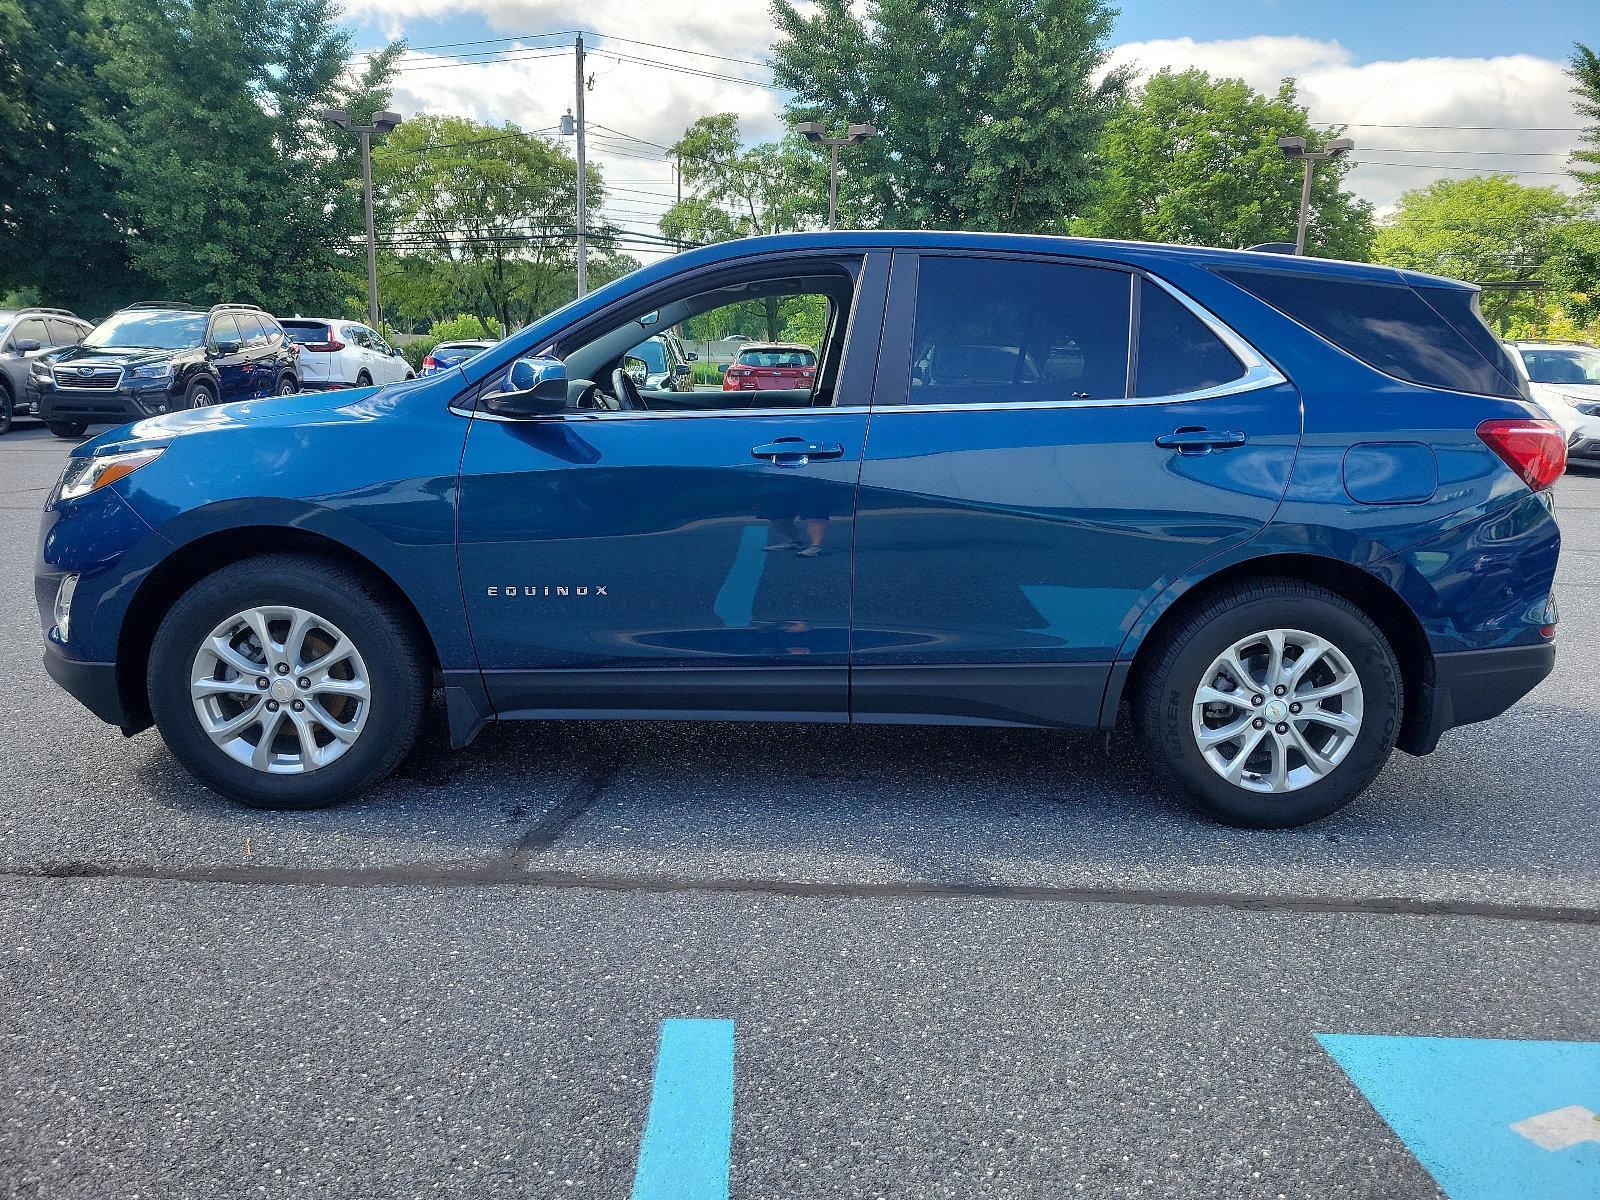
1200,441
796,452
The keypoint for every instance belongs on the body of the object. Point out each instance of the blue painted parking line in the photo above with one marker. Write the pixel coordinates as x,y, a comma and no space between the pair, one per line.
1490,1119
688,1135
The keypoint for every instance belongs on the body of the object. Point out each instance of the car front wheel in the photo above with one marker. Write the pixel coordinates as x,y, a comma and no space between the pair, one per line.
287,682
67,429
1273,705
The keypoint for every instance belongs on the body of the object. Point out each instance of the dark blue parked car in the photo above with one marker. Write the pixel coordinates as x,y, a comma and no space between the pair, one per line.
1293,513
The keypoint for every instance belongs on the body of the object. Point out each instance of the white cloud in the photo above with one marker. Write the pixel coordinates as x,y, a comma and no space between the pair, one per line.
1510,94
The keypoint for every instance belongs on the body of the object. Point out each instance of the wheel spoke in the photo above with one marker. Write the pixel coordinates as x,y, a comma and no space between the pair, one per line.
226,731
1343,722
1275,645
294,642
1314,758
342,649
1210,738
1322,692
1212,695
257,620
1241,674
1235,768
261,756
345,732
226,687
1278,775
1311,652
225,653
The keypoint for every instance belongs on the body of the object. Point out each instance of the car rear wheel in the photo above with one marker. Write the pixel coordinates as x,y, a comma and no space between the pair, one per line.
1276,704
287,682
363,380
7,406
67,429
287,386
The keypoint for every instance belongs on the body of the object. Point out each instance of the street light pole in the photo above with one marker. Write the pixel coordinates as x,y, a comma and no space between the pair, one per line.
816,133
583,181
382,122
1295,148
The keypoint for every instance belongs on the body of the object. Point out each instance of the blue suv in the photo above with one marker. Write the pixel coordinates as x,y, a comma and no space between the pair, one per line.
1291,513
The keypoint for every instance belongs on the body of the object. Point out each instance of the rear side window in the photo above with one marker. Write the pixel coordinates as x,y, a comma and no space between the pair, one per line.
65,333
251,329
1177,352
1393,327
990,330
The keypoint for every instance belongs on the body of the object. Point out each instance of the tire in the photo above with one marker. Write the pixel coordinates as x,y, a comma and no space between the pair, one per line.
363,380
7,407
1272,792
68,429
287,386
387,659
199,395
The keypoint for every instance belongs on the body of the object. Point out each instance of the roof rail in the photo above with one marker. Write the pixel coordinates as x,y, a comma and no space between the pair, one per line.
171,304
55,312
230,305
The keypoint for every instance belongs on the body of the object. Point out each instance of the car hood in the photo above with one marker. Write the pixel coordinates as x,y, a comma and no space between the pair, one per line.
1584,391
275,410
111,356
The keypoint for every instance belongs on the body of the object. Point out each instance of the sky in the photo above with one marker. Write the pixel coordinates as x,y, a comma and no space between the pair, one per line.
1427,90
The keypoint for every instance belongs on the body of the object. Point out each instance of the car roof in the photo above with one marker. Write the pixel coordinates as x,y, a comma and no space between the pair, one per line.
748,346
1140,253
1520,345
465,342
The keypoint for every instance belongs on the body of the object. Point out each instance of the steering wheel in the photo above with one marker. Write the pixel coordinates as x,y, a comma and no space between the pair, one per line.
626,392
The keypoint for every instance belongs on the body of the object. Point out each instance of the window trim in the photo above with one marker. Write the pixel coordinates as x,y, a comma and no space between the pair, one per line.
1259,372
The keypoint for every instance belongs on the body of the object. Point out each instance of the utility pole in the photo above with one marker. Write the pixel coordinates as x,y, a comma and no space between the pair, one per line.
382,122
583,181
816,133
1295,148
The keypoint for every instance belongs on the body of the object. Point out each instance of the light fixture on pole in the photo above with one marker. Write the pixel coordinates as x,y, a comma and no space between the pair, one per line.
817,133
382,122
1295,148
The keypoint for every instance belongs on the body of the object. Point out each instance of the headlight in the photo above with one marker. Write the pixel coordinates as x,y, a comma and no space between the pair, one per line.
39,369
154,373
85,475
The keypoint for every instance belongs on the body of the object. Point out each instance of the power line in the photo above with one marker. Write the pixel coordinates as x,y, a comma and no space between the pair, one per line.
1368,162
515,56
1493,153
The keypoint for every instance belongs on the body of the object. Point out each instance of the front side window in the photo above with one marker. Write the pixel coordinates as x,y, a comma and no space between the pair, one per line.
150,331
30,329
65,333
225,329
993,330
1563,364
1177,352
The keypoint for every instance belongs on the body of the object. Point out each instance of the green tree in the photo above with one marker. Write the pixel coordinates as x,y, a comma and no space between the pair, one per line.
233,187
489,213
1488,229
62,228
988,111
1585,72
1195,160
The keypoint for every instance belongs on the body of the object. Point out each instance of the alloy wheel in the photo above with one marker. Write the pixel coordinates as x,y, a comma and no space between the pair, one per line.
1277,711
280,690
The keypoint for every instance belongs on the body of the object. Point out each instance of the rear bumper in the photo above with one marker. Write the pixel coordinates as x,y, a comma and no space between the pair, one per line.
91,684
1472,686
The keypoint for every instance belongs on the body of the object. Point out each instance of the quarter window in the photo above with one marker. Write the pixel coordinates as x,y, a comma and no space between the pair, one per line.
1177,352
1006,331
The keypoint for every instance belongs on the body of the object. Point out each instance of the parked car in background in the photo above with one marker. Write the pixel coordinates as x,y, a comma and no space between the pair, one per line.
1294,513
26,335
452,354
1565,380
157,357
771,366
662,364
335,353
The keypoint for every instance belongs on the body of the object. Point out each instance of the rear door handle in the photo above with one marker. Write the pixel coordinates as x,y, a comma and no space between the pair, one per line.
1200,441
796,452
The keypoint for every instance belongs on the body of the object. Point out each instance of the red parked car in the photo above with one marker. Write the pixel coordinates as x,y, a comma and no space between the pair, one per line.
771,366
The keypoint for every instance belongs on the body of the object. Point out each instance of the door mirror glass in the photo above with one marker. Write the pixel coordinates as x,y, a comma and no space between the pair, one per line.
636,369
26,346
692,355
223,349
536,387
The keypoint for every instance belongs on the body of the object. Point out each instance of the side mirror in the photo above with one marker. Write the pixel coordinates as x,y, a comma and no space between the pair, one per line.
684,371
538,388
691,355
223,349
27,345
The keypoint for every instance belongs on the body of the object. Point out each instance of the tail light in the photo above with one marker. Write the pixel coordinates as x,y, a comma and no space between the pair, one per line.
732,375
324,347
430,363
1535,450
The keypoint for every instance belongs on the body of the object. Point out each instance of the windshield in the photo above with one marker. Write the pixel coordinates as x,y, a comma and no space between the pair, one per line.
152,330
1567,364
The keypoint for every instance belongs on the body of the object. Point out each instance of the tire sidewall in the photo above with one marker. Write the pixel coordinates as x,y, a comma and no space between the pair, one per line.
8,407
201,388
395,703
1382,710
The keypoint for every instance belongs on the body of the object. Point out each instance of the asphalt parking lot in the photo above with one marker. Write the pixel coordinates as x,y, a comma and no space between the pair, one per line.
958,963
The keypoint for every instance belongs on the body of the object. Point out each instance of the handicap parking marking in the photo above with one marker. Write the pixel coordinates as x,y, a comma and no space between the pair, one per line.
1488,1118
688,1136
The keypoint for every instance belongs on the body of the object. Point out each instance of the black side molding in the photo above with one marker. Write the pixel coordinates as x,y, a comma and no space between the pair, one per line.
1471,686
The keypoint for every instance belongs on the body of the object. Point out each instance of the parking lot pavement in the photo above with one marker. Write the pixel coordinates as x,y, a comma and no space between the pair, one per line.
959,963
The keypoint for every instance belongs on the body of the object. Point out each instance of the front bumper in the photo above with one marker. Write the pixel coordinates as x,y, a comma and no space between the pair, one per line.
92,684
1581,446
1471,686
101,406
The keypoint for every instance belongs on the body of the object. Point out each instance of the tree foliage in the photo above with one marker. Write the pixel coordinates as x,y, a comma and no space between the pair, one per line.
1585,72
482,218
1486,230
988,111
233,186
739,192
1195,160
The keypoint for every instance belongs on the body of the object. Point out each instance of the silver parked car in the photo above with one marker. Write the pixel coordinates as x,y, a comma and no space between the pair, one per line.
25,334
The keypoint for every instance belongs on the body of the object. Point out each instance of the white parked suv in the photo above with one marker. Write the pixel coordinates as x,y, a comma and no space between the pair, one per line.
1565,379
336,353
